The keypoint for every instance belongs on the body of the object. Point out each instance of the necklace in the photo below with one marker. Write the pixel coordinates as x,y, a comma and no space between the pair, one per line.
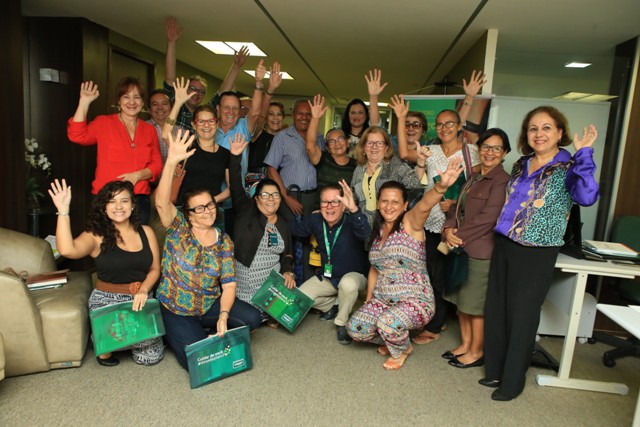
207,146
135,125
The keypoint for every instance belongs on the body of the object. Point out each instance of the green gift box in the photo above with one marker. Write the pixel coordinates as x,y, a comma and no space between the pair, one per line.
215,358
117,326
287,306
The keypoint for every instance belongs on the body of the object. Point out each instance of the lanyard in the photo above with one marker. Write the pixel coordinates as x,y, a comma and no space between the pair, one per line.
326,240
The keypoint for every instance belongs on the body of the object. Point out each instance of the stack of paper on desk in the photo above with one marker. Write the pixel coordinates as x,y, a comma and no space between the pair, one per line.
609,248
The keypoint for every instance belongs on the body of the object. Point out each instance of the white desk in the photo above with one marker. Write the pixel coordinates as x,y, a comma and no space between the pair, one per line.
582,269
629,319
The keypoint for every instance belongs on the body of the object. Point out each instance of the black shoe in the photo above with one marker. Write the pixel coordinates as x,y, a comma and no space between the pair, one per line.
458,364
496,395
331,314
343,336
449,356
489,383
110,361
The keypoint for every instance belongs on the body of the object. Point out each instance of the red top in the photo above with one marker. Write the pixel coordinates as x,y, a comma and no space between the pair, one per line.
116,153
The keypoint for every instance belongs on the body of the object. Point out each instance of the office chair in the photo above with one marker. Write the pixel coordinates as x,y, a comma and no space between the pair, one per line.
626,230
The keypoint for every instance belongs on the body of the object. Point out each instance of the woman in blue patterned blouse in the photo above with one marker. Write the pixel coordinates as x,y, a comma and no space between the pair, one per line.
544,185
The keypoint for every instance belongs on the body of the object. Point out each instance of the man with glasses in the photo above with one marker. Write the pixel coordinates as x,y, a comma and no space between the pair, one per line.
340,239
197,84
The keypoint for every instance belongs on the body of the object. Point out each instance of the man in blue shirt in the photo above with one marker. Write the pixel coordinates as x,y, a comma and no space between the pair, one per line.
341,238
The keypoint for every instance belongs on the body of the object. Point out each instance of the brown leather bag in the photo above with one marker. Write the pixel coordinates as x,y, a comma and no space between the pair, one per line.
176,183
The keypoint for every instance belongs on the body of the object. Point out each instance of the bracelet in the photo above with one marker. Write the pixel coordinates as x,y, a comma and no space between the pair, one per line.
467,102
223,311
269,93
435,188
420,166
170,121
261,88
62,213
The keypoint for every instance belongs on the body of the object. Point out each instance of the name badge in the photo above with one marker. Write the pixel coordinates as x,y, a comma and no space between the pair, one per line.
273,239
328,270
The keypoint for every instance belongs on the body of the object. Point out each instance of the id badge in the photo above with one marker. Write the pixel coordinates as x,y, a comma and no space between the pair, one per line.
273,239
328,270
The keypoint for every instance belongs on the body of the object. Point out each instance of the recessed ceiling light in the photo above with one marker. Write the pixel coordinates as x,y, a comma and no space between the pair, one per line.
285,75
582,96
380,104
576,64
230,48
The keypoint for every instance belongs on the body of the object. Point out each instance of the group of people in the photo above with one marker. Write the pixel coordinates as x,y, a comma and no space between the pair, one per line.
409,227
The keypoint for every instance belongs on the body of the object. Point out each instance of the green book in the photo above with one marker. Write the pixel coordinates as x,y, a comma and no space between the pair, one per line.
117,326
215,358
287,306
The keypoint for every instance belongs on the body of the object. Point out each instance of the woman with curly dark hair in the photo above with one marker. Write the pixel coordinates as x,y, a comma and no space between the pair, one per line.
126,254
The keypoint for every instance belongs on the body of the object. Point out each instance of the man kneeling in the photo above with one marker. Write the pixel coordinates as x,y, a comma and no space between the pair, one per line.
341,238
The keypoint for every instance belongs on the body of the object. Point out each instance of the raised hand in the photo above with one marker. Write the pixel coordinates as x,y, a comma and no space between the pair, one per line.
423,152
238,144
373,82
275,77
261,71
60,195
589,136
399,107
347,198
173,31
478,79
181,86
240,57
449,176
179,146
317,108
89,92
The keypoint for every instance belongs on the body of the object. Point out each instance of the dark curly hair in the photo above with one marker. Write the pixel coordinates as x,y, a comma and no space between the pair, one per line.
99,222
378,221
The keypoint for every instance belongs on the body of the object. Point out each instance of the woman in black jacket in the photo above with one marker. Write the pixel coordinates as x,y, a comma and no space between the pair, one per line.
262,239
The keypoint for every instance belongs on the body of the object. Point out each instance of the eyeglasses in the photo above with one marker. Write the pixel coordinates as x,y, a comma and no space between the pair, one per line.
211,206
495,148
192,89
375,143
264,195
325,203
210,122
336,140
448,124
413,125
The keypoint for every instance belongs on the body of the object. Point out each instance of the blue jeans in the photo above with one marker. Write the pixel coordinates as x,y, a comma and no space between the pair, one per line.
181,331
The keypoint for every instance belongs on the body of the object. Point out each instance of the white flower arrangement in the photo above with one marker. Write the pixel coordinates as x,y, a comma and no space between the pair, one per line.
35,161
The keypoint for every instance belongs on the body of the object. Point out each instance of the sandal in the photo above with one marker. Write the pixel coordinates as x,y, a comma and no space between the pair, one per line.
425,337
392,364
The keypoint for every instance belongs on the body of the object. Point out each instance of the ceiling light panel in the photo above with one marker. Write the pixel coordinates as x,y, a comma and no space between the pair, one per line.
230,48
576,64
285,75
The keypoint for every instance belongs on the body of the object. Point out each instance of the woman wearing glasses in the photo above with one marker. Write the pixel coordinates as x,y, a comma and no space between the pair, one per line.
332,165
262,238
197,288
448,126
377,165
128,147
469,225
209,165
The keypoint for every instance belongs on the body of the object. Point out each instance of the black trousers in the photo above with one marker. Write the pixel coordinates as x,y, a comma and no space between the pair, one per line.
436,268
519,279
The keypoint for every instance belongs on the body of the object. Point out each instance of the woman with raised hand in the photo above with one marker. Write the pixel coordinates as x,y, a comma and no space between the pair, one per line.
209,166
128,147
262,238
198,284
399,295
332,165
545,183
126,255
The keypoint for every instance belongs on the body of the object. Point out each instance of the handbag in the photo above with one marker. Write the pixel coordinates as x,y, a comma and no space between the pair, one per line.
457,269
176,183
